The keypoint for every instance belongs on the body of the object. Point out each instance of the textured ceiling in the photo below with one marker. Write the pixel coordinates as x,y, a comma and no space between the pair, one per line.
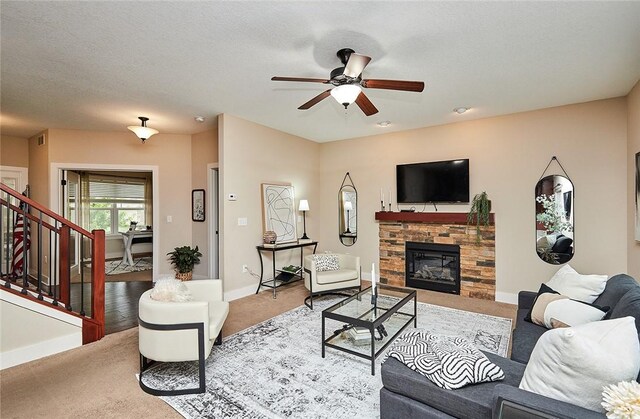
99,65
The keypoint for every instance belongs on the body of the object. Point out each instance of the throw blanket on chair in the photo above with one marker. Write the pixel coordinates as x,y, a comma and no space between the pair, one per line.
449,362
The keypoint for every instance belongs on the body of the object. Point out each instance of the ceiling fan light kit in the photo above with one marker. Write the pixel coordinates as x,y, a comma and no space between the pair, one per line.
346,94
348,83
143,131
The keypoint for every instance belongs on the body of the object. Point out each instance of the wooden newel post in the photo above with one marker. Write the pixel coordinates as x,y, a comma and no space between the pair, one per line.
97,279
65,264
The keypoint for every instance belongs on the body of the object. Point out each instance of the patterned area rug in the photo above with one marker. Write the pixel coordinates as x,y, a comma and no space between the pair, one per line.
275,369
116,267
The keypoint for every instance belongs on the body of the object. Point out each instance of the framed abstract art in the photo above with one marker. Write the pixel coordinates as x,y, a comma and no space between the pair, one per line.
278,211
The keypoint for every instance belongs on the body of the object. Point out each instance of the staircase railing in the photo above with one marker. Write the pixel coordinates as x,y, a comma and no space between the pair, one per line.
49,259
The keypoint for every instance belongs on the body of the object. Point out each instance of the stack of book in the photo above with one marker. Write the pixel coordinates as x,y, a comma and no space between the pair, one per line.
359,336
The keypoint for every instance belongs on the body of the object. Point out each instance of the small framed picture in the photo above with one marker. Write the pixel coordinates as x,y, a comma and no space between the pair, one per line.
197,205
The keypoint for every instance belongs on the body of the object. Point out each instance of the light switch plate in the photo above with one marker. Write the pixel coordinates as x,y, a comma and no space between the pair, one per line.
169,219
242,221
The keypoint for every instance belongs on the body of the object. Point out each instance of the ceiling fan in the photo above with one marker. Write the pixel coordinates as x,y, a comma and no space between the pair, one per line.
347,83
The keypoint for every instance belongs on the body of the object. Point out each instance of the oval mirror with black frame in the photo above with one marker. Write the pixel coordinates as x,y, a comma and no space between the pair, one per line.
348,212
555,219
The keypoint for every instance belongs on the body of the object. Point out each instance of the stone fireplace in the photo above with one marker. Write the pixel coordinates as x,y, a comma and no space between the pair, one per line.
477,278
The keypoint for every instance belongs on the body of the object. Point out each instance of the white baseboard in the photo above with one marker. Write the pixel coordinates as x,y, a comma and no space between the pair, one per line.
40,350
239,293
40,308
507,297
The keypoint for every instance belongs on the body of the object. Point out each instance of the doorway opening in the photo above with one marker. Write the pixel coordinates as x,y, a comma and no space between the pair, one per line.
214,228
123,201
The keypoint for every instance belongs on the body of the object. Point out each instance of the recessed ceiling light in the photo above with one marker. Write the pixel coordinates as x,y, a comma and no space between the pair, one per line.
460,110
384,124
199,118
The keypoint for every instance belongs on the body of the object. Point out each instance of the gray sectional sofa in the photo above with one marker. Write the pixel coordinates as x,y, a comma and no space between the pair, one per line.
407,394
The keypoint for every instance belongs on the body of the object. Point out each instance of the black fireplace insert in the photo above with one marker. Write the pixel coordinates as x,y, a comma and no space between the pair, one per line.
433,266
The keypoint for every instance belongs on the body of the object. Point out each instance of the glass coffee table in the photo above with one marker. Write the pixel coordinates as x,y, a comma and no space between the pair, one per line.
365,329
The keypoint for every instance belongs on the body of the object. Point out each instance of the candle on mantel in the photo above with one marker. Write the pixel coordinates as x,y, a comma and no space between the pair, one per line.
390,200
382,198
373,279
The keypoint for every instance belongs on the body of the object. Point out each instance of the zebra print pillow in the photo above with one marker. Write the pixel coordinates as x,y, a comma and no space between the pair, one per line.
326,262
449,362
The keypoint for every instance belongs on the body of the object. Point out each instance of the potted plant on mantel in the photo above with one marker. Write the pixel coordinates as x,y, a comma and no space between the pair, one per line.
479,212
183,259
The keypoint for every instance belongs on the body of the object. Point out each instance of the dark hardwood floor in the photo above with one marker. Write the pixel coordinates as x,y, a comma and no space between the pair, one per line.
120,306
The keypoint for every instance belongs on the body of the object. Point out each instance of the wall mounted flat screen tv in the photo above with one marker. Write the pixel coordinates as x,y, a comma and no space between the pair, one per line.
441,181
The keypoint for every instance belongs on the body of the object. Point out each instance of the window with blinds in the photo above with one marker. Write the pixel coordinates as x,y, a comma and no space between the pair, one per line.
116,202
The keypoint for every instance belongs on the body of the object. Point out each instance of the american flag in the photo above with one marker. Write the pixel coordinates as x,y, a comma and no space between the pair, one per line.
17,264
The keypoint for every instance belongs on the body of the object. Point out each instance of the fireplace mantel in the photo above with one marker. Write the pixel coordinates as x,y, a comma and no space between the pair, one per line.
427,217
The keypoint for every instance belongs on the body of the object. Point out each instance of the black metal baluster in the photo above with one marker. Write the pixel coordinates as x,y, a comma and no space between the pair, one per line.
25,266
50,262
40,256
82,313
69,273
56,291
90,263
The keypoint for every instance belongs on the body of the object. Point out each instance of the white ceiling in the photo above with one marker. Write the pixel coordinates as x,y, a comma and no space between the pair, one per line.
99,65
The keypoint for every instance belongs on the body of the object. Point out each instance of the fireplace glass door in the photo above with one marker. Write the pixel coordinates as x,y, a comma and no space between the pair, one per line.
434,267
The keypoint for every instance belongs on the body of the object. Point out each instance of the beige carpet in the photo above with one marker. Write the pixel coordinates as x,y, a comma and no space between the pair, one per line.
98,380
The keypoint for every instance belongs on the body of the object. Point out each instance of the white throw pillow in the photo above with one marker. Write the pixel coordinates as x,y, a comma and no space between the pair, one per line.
172,290
571,313
574,364
576,286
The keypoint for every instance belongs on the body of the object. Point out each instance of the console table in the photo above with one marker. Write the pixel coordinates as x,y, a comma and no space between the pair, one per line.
132,237
275,283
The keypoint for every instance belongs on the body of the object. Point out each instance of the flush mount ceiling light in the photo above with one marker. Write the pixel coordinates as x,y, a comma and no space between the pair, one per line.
199,118
346,94
460,110
384,124
143,131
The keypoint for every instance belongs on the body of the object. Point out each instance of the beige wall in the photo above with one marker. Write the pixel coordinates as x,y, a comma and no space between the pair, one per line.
508,155
251,154
170,153
633,132
14,151
39,169
204,151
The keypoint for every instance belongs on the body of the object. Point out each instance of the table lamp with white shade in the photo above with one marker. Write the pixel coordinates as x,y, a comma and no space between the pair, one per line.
304,207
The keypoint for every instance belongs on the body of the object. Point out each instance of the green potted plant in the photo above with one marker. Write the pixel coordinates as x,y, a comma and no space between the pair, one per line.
183,259
479,212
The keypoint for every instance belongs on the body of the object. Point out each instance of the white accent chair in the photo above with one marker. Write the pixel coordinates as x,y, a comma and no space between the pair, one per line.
181,331
329,282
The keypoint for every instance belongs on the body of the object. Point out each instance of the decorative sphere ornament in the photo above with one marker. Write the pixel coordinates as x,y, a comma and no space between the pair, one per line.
269,237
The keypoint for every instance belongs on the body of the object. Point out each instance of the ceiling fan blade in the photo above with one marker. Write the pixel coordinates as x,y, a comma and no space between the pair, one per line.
355,65
365,104
303,79
315,100
409,86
